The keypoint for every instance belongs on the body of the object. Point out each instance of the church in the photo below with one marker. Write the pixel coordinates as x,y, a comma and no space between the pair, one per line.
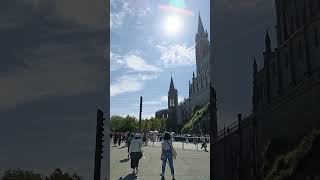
199,89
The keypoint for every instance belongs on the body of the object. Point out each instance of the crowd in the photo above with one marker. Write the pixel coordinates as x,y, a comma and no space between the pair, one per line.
135,141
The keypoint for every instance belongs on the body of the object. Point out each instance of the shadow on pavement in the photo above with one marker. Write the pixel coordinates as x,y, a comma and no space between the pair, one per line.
122,147
124,160
129,177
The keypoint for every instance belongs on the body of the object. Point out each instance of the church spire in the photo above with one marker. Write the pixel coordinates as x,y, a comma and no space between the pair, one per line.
171,83
267,41
200,26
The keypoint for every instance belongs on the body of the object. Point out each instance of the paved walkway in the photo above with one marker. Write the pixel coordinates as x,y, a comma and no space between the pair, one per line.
189,165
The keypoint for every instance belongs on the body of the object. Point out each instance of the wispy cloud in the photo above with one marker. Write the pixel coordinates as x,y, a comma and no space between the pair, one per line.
152,102
129,83
133,61
116,61
120,9
137,63
177,55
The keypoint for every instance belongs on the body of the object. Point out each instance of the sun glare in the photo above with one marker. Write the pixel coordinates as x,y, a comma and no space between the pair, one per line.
172,24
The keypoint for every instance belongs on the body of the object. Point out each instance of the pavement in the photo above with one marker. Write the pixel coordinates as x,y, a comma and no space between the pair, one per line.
189,165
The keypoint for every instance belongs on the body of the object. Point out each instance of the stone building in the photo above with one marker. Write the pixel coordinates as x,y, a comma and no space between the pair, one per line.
199,87
286,94
162,114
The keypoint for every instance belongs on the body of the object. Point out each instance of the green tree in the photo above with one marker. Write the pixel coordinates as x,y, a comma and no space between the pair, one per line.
124,124
17,174
57,174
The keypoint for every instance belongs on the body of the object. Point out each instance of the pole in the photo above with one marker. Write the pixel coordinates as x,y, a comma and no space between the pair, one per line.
140,114
97,164
240,147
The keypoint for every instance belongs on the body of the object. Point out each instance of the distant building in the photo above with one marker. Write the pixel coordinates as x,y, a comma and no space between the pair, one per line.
199,88
162,114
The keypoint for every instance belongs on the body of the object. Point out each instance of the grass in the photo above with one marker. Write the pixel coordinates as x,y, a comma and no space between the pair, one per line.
195,119
284,165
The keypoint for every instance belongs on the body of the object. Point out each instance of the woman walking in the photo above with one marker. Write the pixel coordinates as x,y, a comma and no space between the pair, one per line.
129,140
135,153
167,153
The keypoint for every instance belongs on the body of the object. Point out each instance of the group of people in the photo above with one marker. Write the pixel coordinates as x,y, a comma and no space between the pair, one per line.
135,142
118,138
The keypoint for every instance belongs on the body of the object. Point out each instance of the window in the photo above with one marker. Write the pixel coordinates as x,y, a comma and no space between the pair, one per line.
316,38
171,102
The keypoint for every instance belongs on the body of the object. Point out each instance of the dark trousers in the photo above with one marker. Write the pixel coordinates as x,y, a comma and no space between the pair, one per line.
134,159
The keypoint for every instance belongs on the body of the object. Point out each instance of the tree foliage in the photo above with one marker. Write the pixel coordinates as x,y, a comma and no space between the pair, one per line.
285,164
18,174
57,174
124,124
198,114
131,124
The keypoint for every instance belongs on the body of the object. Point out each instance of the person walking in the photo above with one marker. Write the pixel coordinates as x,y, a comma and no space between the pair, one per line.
115,139
135,153
119,139
130,139
144,139
167,153
204,143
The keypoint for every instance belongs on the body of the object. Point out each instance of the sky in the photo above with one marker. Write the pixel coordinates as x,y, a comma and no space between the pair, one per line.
149,43
53,70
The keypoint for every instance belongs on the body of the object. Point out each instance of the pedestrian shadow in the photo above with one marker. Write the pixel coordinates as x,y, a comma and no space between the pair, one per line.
124,160
129,177
122,147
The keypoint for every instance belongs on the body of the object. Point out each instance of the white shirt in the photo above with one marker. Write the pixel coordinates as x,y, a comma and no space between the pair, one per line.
165,145
135,146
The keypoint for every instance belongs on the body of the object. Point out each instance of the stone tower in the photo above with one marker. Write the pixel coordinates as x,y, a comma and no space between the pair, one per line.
202,48
172,107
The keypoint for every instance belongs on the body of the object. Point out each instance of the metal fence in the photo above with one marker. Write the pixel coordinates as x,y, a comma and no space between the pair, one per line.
183,143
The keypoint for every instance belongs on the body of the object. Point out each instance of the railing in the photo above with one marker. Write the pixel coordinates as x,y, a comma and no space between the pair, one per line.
183,143
228,130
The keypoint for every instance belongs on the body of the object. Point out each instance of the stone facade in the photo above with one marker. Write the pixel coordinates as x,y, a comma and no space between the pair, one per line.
199,88
286,93
162,114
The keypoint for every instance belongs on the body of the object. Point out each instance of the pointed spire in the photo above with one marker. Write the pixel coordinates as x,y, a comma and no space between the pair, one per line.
267,41
200,26
171,83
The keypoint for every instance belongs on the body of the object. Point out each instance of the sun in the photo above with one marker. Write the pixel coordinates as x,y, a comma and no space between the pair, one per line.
172,24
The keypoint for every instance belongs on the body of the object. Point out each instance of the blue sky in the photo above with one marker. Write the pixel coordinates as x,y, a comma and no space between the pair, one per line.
144,53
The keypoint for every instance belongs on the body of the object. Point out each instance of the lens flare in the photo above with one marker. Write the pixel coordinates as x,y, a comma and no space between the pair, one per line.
172,24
